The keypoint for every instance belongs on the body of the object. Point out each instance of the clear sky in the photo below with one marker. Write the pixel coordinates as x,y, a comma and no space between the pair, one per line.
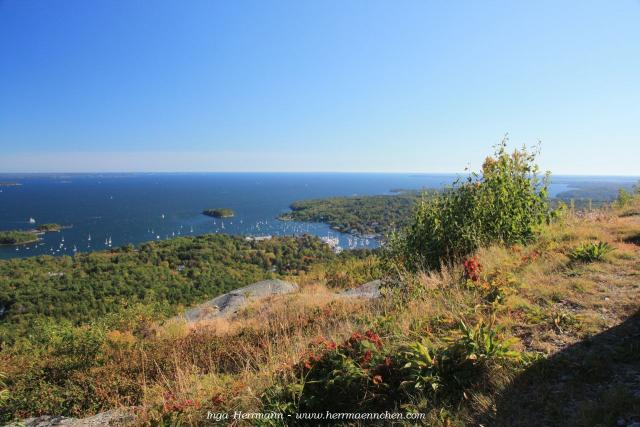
346,85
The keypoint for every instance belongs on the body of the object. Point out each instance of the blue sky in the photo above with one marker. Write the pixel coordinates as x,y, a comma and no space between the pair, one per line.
425,86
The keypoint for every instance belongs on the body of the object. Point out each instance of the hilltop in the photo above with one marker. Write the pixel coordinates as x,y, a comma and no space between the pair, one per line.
570,326
531,318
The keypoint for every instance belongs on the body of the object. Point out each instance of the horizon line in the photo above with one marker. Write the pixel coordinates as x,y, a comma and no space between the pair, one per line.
290,172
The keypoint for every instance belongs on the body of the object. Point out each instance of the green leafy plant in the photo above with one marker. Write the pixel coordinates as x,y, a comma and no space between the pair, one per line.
624,197
590,252
420,368
352,376
4,392
361,374
481,342
505,203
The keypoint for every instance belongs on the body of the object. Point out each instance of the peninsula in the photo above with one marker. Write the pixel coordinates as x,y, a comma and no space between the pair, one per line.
23,237
364,215
17,237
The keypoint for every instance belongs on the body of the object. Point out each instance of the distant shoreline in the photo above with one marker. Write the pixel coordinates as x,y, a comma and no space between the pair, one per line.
24,234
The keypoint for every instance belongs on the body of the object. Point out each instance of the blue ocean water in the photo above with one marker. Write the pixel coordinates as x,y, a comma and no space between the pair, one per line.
134,208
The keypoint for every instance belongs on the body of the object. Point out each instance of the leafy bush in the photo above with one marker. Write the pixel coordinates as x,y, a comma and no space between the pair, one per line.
350,270
624,198
506,203
449,372
362,375
51,377
590,252
343,377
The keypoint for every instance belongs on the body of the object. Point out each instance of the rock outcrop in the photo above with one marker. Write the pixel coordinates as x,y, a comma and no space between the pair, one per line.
114,417
368,290
228,304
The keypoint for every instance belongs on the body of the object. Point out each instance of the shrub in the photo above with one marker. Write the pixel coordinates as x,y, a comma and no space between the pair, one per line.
348,271
590,252
506,203
343,377
624,198
362,375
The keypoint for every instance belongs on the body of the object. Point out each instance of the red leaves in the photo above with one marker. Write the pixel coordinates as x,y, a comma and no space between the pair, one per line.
171,404
366,358
370,336
354,347
531,257
472,269
374,338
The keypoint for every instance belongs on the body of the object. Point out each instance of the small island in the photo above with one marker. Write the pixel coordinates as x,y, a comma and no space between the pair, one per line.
219,212
49,227
17,237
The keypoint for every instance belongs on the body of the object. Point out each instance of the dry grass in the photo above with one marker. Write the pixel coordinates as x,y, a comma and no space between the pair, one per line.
545,300
550,303
230,362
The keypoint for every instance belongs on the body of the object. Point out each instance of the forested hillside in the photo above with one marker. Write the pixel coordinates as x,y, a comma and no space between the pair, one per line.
167,274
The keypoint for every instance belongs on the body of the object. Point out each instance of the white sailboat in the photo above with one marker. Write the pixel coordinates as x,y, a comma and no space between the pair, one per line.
32,221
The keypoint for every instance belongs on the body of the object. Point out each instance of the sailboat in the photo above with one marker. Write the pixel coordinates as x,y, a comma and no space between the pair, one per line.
89,238
32,221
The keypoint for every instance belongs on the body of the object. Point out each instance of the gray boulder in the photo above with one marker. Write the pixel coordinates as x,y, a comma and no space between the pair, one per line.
114,417
368,290
227,305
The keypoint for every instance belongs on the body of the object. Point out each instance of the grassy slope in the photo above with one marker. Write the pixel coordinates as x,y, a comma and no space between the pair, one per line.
577,323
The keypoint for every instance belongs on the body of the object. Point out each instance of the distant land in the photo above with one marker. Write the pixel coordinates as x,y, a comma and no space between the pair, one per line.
361,215
380,215
50,227
9,184
136,208
219,212
17,237
23,237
